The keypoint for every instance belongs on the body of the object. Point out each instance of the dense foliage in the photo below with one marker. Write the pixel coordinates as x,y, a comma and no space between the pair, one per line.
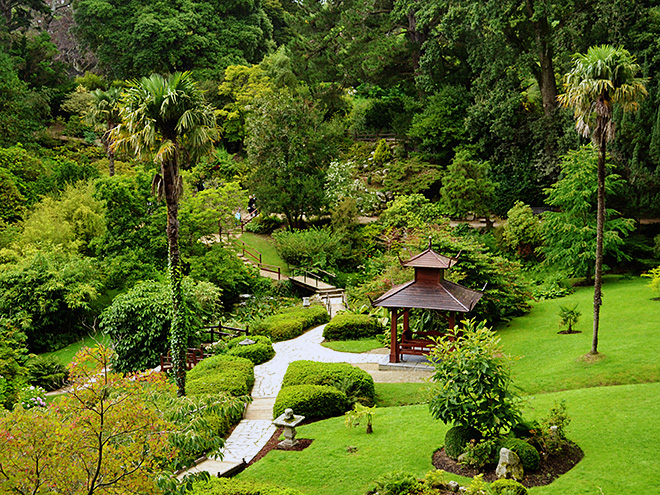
474,380
138,321
351,327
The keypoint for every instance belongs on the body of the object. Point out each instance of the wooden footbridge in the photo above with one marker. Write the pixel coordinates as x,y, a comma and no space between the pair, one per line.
333,297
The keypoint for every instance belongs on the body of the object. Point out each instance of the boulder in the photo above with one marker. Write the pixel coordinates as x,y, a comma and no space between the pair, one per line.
509,466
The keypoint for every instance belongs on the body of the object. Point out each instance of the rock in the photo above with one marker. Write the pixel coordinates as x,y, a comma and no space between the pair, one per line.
453,486
509,466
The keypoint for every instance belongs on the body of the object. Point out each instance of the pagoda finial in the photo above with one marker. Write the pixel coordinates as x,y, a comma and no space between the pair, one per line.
429,242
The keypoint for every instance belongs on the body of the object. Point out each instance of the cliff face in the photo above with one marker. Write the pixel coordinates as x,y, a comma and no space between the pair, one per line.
61,27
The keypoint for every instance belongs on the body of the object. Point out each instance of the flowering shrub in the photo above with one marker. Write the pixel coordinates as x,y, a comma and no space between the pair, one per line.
31,396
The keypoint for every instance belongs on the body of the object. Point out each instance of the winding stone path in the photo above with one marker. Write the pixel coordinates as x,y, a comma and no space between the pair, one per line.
254,431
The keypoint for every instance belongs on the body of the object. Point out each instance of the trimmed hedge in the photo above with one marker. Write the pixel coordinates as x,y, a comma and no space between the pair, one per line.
259,352
231,374
529,456
352,327
457,438
311,401
291,323
360,384
233,486
510,487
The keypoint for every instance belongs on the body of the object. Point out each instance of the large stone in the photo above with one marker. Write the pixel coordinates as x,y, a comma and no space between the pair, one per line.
509,466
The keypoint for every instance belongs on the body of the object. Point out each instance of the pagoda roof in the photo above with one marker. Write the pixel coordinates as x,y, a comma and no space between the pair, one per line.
430,259
442,295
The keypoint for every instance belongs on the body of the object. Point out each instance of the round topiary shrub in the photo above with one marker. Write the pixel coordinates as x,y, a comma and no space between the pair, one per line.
457,438
508,487
259,352
311,401
351,327
529,456
354,382
231,374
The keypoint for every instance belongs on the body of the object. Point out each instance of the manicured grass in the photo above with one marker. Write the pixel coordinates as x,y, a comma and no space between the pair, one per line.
266,246
362,345
628,340
326,467
617,427
401,394
65,355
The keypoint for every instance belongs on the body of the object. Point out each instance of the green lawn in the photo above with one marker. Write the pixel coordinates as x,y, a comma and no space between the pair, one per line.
65,355
617,427
362,345
628,340
265,245
401,394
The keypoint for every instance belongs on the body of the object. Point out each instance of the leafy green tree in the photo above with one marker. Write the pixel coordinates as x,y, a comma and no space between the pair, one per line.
473,377
288,147
74,221
137,37
241,86
102,438
138,321
600,79
19,110
522,231
440,127
466,187
18,14
569,233
134,243
212,210
168,118
103,114
47,295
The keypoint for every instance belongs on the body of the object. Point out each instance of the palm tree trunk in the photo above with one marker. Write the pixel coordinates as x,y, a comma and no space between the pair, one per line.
600,226
178,334
111,156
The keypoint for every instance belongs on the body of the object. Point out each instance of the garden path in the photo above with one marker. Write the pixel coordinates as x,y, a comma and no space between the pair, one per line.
254,431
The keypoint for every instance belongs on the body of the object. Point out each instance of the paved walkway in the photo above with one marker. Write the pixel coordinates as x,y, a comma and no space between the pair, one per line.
254,431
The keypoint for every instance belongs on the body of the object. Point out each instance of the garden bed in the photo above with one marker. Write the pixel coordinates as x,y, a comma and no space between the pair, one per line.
550,469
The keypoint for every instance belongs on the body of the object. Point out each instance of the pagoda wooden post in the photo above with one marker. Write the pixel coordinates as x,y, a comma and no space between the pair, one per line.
452,326
406,325
394,342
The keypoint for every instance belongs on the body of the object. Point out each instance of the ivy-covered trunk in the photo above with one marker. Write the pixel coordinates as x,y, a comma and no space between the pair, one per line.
178,333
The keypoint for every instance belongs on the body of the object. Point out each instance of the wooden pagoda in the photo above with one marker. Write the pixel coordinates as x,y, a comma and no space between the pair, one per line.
429,290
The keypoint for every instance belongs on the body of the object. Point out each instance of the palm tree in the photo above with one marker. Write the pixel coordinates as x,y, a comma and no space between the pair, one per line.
104,116
603,77
167,118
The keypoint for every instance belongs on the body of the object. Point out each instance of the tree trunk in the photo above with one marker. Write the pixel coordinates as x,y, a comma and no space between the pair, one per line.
546,77
111,156
178,334
600,227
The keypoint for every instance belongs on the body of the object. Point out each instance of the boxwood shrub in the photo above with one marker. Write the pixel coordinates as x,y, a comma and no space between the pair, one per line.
233,486
351,380
231,374
457,438
529,456
259,352
352,327
311,401
509,487
291,323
